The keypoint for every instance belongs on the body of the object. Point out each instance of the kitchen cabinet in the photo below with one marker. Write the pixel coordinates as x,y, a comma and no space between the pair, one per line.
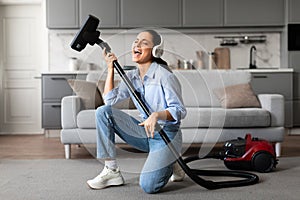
254,12
204,13
62,14
293,10
276,83
170,13
54,88
296,99
294,62
106,10
158,13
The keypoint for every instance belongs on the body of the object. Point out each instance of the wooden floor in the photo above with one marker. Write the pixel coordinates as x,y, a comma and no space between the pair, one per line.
41,147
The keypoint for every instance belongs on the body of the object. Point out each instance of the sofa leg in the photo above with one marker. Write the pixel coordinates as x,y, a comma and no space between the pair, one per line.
67,151
278,149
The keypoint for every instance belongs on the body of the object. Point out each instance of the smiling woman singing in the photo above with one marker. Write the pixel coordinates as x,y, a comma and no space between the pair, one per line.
161,92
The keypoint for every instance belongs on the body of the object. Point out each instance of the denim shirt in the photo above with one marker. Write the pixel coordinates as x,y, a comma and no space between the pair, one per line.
160,90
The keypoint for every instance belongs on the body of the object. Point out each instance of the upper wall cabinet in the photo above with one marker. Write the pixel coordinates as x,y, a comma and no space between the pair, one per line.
106,10
62,13
170,13
162,13
254,12
294,14
204,13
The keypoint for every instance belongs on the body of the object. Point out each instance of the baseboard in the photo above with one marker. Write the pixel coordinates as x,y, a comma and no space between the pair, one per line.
21,133
294,131
47,132
52,133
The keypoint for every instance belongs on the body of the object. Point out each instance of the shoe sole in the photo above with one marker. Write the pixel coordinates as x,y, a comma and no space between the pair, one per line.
176,179
112,182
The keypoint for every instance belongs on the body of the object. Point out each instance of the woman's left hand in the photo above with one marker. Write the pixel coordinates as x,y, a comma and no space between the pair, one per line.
149,124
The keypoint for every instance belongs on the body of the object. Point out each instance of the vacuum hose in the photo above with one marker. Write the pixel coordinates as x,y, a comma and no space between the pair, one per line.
248,178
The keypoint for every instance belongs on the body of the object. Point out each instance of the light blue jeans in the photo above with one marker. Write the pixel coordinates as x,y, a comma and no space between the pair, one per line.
158,166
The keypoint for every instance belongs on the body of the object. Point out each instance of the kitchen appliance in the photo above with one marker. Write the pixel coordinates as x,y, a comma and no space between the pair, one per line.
87,35
294,37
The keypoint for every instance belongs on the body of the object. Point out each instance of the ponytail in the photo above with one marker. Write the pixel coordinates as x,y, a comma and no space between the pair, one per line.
162,63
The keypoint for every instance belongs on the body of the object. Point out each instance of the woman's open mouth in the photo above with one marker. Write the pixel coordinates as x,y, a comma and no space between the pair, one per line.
136,52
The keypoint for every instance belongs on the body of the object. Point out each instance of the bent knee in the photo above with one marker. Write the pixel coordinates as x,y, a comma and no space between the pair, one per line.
149,187
102,110
152,182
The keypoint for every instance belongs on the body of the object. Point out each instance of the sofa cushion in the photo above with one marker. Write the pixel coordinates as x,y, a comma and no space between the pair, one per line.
226,118
88,93
237,96
200,118
198,85
126,104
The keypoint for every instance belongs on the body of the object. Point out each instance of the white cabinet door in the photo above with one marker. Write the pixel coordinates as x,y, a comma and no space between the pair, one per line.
20,56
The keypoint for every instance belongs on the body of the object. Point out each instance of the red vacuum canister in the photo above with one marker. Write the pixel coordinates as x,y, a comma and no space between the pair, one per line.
250,154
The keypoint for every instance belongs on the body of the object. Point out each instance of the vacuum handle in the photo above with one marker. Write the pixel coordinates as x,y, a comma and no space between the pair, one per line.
103,45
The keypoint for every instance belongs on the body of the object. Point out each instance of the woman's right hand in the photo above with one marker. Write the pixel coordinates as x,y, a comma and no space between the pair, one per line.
109,58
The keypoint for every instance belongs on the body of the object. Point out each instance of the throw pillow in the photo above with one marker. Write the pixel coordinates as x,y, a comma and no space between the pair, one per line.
88,92
125,104
237,96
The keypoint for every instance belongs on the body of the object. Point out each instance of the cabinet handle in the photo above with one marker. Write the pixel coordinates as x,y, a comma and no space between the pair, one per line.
58,78
260,76
55,106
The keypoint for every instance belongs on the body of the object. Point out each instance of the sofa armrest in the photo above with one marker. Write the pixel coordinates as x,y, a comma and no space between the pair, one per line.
274,103
70,107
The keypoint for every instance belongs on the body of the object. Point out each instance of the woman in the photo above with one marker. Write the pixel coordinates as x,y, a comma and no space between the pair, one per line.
161,91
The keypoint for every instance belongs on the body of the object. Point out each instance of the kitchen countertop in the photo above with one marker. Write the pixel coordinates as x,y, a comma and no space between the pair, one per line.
65,72
268,70
262,70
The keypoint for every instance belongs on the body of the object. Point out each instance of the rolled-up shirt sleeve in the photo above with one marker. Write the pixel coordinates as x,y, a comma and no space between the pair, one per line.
116,95
173,97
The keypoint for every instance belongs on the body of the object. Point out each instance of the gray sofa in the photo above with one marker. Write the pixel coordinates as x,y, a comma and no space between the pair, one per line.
206,121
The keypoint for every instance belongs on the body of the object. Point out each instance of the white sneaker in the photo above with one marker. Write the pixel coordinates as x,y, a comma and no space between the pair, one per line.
178,173
106,178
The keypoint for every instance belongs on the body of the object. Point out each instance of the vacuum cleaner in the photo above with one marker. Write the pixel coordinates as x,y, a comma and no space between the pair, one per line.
88,34
252,154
